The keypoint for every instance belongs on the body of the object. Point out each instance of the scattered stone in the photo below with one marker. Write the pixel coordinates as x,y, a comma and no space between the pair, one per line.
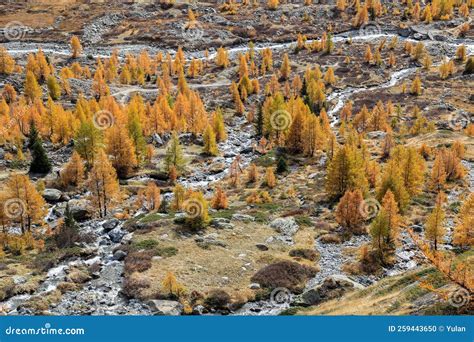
17,280
261,247
254,286
222,223
165,307
80,209
110,224
157,141
333,286
243,218
116,235
119,255
209,240
52,195
285,225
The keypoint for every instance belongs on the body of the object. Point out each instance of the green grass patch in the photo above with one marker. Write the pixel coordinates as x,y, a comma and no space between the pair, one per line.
404,281
144,244
153,217
304,220
153,245
224,213
266,160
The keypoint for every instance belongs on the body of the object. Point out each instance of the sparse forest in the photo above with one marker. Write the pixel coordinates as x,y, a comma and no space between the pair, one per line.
174,164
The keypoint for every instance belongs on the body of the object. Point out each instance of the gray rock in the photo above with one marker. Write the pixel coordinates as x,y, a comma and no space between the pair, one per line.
17,280
80,209
119,255
332,287
254,286
179,218
405,255
222,223
262,246
116,235
165,307
199,310
110,224
157,139
285,225
52,195
404,32
209,240
243,218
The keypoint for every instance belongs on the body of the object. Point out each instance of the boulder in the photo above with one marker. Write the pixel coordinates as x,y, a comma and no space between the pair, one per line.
165,307
332,287
285,225
209,240
262,246
52,195
157,139
110,224
221,223
80,209
17,280
119,255
116,235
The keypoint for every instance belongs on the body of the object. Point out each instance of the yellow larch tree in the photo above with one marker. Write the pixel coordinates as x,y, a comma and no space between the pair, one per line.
103,184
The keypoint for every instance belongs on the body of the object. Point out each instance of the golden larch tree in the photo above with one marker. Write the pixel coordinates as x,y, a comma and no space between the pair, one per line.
76,46
103,184
24,204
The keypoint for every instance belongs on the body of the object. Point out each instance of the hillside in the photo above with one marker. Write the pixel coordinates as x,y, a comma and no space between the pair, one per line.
244,158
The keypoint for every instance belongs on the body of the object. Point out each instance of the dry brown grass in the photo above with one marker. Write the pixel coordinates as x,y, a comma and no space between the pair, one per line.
227,268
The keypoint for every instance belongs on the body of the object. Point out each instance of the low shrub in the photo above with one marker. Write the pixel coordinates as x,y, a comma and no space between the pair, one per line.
288,274
138,261
304,253
330,238
133,286
217,299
